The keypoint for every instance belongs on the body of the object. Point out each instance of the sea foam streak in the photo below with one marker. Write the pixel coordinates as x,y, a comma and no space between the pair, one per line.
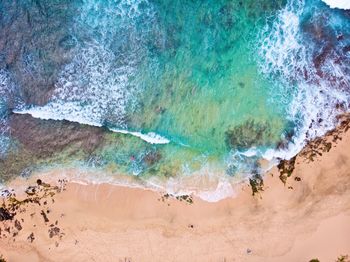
43,113
150,137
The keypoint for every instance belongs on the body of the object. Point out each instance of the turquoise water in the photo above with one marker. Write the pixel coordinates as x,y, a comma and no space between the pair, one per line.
204,81
225,82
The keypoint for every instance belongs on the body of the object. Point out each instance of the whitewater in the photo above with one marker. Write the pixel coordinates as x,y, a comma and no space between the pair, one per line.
342,4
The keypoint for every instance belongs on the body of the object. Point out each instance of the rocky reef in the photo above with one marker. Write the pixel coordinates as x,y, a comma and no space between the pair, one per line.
37,141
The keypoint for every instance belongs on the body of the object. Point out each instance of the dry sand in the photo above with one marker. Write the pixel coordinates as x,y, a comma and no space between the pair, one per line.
294,222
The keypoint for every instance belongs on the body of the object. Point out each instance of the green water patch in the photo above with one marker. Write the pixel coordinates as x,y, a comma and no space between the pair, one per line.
201,88
130,155
202,79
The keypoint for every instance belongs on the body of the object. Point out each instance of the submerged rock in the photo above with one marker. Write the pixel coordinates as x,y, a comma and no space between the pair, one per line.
42,141
250,133
152,158
44,138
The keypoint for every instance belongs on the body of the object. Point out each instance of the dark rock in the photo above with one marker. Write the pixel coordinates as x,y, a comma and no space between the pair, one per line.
18,225
257,184
44,216
288,137
5,214
31,190
44,137
286,168
42,140
55,231
2,259
31,237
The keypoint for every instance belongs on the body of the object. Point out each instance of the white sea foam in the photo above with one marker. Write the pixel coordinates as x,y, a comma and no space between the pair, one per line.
209,183
93,88
150,137
223,190
69,111
341,4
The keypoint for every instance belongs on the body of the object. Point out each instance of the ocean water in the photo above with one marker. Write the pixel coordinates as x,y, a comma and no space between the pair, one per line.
191,89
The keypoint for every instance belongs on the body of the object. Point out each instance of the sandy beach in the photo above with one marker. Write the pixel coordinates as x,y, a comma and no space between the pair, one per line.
298,221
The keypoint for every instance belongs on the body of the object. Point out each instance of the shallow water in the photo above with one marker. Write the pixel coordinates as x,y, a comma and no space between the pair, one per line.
226,83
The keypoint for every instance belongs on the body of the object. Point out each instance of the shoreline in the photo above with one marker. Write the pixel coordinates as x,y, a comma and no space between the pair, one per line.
307,217
213,184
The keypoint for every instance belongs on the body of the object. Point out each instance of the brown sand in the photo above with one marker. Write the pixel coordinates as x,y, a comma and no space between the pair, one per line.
294,222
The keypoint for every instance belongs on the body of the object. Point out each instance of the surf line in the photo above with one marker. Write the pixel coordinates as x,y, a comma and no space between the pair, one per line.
150,137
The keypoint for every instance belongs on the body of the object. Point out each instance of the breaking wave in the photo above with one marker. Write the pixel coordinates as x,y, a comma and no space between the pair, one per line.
317,80
46,114
96,87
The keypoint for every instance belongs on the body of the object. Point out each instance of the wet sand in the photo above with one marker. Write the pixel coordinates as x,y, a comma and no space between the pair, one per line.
298,221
